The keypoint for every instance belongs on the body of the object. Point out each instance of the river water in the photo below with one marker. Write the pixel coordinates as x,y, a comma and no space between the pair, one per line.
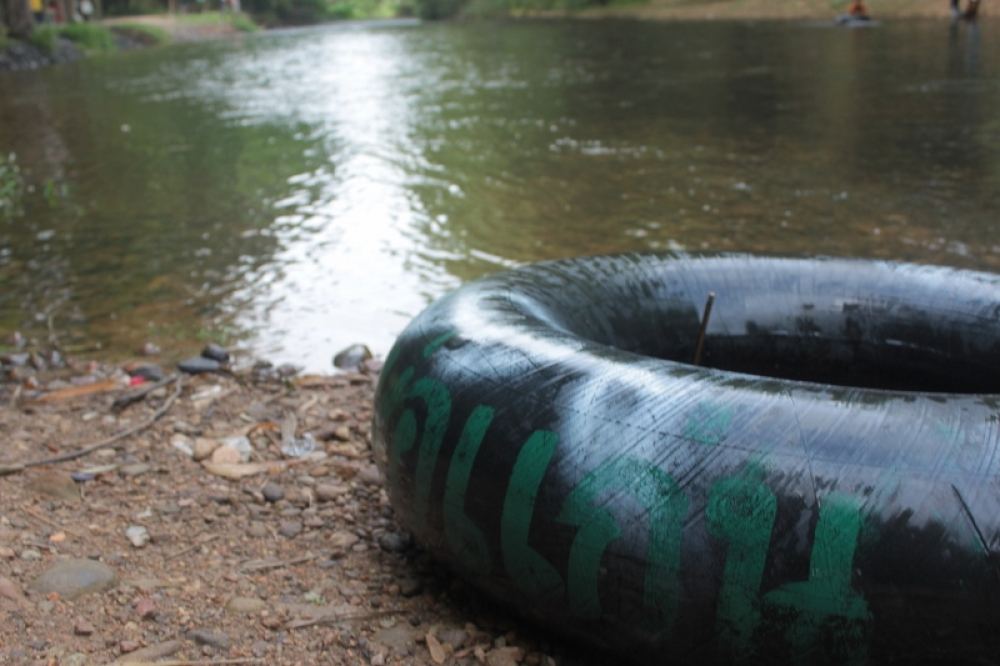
300,190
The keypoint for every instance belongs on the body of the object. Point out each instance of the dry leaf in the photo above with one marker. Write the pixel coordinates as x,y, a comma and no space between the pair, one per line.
437,651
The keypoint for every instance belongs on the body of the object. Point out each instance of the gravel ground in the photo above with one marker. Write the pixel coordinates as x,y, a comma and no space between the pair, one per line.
138,551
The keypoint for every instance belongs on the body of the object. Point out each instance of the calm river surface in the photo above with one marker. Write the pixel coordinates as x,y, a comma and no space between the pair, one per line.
297,191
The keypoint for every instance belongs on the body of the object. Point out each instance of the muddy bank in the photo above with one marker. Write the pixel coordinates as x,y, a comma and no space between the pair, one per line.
242,518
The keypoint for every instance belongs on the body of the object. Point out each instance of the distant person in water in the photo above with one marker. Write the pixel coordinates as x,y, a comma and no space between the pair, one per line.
858,11
970,10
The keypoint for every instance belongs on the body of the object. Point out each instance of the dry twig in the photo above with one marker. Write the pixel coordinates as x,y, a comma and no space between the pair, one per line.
108,442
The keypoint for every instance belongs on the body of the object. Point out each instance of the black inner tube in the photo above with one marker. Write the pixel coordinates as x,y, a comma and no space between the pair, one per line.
834,330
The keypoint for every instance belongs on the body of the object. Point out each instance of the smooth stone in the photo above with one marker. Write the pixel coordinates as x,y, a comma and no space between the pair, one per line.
148,371
352,357
394,542
272,492
135,469
290,528
58,485
10,590
137,535
216,639
197,365
399,638
74,578
245,605
327,492
215,352
342,540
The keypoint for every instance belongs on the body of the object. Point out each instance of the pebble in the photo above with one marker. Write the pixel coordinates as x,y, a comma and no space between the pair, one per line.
290,528
342,540
272,492
83,628
182,443
216,639
74,578
504,656
10,590
327,492
398,638
245,605
148,371
7,553
145,608
197,365
456,638
258,530
215,352
394,542
137,535
75,659
127,646
135,469
352,357
203,447
58,485
30,555
226,455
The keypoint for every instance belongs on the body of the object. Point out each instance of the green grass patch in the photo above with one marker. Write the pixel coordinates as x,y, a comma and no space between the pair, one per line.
45,38
90,37
4,39
147,34
237,20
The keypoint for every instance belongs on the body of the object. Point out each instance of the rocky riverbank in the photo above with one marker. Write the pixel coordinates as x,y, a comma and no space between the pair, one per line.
56,46
234,516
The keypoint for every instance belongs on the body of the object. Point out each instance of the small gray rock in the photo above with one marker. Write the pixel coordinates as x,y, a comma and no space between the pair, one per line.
74,578
215,352
197,365
216,639
394,542
272,492
352,357
290,528
245,605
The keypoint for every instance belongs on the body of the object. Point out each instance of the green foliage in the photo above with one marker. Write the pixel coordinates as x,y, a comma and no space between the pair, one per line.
45,37
4,40
237,20
11,186
301,12
149,34
243,23
90,37
439,9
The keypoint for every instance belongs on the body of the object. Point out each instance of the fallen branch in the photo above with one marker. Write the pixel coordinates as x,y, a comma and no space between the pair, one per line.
264,565
337,619
123,401
185,551
108,442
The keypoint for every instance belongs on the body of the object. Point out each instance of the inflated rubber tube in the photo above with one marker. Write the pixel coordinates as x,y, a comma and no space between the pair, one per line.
827,490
